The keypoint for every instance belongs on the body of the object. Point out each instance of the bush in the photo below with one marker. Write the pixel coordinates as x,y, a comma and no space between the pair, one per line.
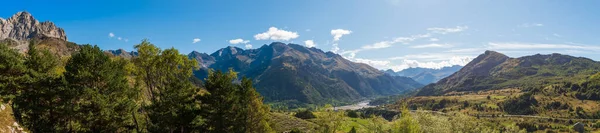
296,130
353,114
522,105
305,114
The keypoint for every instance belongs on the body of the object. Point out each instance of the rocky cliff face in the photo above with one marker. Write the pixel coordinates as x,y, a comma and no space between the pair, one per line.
22,27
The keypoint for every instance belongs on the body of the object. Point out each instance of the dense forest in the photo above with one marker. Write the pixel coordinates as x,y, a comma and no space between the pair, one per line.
155,92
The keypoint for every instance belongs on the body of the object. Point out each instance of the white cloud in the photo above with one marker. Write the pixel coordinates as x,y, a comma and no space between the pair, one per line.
556,35
448,61
447,30
406,40
248,46
338,33
386,44
403,40
276,34
527,25
520,46
461,61
238,41
374,63
428,56
378,45
434,61
196,40
112,35
433,45
466,50
335,48
309,43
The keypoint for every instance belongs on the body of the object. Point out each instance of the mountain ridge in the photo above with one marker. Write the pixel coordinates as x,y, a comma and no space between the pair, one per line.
493,70
281,71
425,75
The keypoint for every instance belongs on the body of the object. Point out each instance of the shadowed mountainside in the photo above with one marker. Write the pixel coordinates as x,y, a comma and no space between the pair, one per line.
294,72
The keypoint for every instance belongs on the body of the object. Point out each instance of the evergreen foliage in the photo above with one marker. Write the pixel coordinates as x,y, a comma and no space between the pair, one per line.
42,103
172,96
12,69
233,107
92,92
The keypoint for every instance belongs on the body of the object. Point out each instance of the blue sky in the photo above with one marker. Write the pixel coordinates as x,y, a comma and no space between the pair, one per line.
387,34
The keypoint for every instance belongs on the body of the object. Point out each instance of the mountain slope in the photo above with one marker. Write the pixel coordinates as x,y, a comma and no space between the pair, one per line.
493,70
426,75
293,72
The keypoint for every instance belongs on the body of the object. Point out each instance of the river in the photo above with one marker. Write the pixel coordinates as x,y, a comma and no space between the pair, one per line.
356,106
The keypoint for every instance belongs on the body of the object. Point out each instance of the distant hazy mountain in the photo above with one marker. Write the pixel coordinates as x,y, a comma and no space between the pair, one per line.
122,53
493,70
294,72
425,75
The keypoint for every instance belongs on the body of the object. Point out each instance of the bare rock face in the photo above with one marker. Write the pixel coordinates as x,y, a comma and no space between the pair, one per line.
22,27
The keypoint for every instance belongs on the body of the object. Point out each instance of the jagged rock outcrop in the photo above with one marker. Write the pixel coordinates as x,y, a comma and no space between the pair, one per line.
22,26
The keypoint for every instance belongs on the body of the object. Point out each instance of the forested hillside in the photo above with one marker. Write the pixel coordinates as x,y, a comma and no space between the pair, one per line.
92,92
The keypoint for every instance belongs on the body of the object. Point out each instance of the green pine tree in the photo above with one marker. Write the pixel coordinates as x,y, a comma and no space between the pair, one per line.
12,71
102,98
40,105
233,107
166,75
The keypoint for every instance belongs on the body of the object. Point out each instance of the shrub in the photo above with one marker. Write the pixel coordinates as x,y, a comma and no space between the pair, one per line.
352,114
521,105
305,114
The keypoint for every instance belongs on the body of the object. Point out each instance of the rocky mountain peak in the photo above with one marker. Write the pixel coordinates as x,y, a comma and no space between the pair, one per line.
23,26
490,52
227,51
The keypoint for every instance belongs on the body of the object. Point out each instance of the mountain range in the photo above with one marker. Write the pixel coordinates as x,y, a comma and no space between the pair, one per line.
293,72
493,70
425,75
281,72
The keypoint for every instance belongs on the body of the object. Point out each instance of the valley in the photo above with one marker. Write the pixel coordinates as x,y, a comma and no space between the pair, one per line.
296,67
355,106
